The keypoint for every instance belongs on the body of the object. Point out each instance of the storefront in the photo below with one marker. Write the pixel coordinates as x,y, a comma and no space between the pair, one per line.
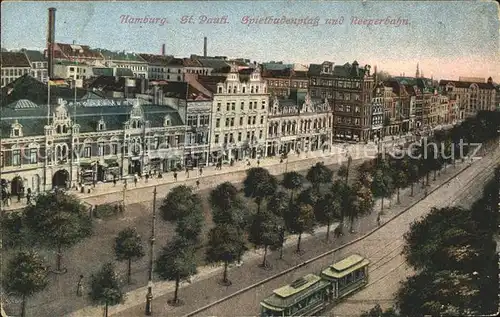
111,170
87,173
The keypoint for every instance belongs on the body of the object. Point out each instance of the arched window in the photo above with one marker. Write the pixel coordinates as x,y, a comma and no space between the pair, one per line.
58,129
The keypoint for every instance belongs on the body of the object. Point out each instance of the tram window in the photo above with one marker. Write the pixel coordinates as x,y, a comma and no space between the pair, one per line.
270,313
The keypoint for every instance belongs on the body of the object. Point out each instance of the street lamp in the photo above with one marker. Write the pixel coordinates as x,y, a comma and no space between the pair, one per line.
149,295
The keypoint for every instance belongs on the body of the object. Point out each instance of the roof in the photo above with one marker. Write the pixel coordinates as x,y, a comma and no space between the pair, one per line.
33,117
276,66
216,64
466,84
112,83
188,62
78,51
210,82
14,59
277,73
27,87
156,59
296,291
102,71
121,56
35,56
347,70
345,266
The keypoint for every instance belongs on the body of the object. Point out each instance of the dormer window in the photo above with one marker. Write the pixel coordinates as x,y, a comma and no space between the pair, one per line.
219,90
244,89
167,122
101,125
16,130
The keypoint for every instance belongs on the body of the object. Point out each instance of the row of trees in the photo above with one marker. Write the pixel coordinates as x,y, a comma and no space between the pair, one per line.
454,251
452,248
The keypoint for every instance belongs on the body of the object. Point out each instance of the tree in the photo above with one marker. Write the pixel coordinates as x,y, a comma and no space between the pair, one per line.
344,169
292,181
359,200
225,242
400,181
25,275
15,232
176,262
128,247
383,76
327,210
190,227
278,204
319,174
343,191
59,221
180,201
259,185
264,231
300,219
382,186
413,173
105,288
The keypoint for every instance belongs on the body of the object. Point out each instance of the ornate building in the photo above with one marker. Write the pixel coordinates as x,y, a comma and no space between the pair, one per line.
281,81
296,127
239,114
94,139
349,90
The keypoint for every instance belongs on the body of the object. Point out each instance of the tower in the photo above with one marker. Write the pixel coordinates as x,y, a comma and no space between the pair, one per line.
204,47
417,74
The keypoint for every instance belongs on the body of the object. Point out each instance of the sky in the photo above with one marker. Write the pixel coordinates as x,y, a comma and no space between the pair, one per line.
447,38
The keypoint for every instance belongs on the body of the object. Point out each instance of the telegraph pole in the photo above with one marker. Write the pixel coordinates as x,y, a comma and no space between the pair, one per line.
149,295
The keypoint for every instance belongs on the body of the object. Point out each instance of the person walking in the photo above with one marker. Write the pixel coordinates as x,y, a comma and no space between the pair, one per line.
114,181
187,172
198,184
378,219
135,180
175,176
201,171
79,287
28,196
147,177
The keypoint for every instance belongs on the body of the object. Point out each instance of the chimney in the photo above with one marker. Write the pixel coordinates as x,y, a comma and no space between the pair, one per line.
205,47
163,49
51,40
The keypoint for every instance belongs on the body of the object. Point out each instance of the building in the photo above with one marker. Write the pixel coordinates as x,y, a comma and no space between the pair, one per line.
281,81
72,70
349,90
120,60
13,65
77,54
472,79
298,127
377,119
239,115
470,96
169,68
94,139
38,64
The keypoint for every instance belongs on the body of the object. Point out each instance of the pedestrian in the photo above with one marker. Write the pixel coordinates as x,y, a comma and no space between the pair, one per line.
28,196
93,183
150,174
147,177
79,287
378,220
198,184
258,162
200,171
248,162
175,176
159,175
135,180
19,196
114,181
187,172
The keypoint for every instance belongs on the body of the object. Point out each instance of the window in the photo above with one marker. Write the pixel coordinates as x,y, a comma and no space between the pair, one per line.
33,156
244,89
263,104
217,123
260,134
227,106
218,106
257,89
216,138
100,149
249,120
114,149
251,89
233,106
192,121
241,121
87,151
16,157
242,105
231,138
248,135
239,136
253,121
261,119
16,132
232,122
226,136
227,122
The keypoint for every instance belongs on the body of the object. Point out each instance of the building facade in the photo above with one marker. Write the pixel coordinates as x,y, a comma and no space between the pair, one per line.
95,139
239,115
299,128
13,65
132,61
349,91
470,96
281,81
377,119
38,64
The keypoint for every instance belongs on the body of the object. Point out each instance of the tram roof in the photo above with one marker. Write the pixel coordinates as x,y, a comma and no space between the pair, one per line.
346,266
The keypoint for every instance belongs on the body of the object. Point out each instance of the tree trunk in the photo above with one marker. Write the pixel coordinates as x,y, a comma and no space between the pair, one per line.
265,255
411,193
398,201
224,278
258,206
434,177
23,306
106,310
176,292
328,230
352,224
382,205
129,270
59,258
427,179
298,242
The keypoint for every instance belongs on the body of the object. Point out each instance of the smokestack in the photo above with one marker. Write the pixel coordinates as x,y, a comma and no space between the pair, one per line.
163,50
204,47
50,41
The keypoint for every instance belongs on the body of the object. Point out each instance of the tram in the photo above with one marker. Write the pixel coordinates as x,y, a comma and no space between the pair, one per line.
312,293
